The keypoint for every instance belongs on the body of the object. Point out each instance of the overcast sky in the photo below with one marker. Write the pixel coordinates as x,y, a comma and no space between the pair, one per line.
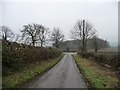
62,14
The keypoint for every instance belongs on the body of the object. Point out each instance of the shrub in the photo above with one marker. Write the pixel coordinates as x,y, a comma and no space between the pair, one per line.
16,56
105,58
11,60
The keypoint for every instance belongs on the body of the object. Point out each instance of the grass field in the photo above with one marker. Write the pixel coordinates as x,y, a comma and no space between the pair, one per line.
29,73
97,76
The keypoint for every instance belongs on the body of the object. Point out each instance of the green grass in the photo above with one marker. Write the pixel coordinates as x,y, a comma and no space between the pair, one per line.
97,77
29,73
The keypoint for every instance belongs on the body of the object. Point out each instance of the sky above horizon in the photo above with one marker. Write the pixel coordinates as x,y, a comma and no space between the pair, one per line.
103,15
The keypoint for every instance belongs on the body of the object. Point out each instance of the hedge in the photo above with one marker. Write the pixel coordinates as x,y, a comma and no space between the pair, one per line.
110,59
16,56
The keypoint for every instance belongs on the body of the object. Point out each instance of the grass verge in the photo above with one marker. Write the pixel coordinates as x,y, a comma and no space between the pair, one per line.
29,73
95,75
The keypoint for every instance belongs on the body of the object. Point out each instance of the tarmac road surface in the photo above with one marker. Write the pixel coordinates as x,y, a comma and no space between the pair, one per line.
65,74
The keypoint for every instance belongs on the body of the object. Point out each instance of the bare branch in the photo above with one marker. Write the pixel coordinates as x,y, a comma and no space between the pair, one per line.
7,33
57,37
83,30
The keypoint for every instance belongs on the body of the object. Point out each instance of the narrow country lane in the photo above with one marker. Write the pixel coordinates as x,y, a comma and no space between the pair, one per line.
64,75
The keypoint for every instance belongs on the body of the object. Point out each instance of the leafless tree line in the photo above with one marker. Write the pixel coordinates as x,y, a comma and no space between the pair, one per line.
34,34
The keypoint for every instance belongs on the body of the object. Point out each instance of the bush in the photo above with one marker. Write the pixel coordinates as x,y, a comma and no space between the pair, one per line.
110,59
16,56
11,59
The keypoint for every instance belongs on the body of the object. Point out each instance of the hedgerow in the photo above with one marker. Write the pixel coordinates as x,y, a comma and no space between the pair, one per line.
110,59
16,56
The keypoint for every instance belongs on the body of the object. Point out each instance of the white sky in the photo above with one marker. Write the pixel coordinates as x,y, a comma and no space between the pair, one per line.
103,14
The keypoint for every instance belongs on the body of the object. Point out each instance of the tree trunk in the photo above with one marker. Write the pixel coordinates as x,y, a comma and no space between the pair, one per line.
83,52
33,41
41,44
96,49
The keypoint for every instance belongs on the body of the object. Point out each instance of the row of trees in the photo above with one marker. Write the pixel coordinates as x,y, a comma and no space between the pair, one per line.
34,34
93,45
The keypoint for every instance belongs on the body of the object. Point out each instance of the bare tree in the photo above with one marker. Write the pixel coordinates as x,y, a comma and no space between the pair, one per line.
43,35
57,37
83,30
17,38
99,43
7,33
31,32
95,43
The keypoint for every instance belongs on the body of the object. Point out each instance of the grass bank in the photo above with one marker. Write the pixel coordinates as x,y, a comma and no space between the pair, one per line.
97,76
29,72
